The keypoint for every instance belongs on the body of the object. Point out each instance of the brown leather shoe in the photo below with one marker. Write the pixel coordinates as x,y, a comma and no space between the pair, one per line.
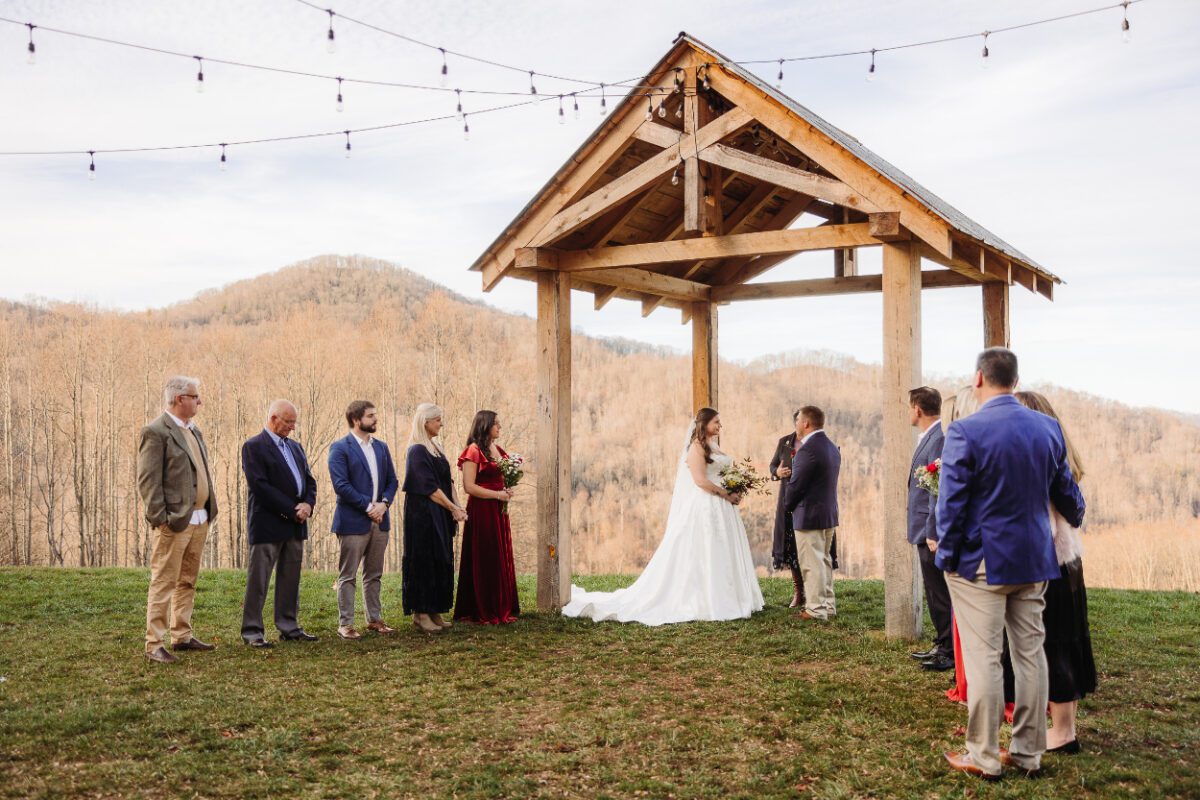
161,656
348,632
379,626
964,763
193,644
805,615
1007,760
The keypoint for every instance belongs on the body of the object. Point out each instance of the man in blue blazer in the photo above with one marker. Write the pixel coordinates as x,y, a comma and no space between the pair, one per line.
364,479
1002,468
282,493
925,411
812,502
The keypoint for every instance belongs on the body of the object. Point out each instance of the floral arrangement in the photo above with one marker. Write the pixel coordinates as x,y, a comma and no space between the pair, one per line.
512,468
928,476
740,477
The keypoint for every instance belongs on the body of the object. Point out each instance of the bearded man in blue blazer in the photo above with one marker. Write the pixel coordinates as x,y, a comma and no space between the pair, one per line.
1002,468
364,480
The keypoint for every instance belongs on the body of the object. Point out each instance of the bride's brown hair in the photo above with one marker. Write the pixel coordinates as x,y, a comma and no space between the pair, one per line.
703,417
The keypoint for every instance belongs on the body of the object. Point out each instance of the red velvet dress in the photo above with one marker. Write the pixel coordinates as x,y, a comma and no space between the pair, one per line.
487,576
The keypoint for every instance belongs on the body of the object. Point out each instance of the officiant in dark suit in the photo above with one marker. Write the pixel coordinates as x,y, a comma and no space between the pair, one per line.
925,411
281,493
812,502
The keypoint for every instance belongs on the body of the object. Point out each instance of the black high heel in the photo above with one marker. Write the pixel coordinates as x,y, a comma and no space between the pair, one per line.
1070,748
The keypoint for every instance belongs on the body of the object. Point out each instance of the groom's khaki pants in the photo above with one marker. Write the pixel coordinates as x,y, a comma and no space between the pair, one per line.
983,613
816,566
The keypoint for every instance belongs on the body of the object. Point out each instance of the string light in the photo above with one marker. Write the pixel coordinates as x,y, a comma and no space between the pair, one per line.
92,165
199,74
222,165
466,129
603,102
649,109
1126,35
340,106
678,81
779,80
532,88
458,112
445,69
575,100
347,143
705,82
32,58
984,64
679,111
330,42
675,177
562,115
871,69
662,108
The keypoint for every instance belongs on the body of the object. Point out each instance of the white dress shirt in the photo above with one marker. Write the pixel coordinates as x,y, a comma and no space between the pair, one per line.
806,438
369,453
200,515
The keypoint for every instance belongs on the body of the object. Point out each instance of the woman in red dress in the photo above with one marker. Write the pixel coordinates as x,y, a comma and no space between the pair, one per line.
487,576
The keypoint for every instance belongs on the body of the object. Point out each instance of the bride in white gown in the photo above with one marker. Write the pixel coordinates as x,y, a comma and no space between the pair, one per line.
702,570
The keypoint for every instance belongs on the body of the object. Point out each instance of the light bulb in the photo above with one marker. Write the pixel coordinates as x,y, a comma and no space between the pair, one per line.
340,105
347,151
985,61
576,108
562,116
223,165
603,107
675,177
331,44
200,85
662,110
705,83
871,74
466,129
32,59
1126,34
442,83
91,165
679,111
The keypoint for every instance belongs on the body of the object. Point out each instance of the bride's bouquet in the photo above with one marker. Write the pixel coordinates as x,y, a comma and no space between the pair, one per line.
512,468
740,477
929,476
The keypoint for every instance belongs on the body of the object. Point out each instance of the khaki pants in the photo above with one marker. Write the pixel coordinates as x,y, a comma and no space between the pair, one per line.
174,565
816,566
983,613
368,550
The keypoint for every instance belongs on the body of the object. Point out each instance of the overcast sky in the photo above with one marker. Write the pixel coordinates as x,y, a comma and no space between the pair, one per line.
1074,147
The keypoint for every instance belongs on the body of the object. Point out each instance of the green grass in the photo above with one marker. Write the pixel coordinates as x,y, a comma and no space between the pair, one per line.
769,707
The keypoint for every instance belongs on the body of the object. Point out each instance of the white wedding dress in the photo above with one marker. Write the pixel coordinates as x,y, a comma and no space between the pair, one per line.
702,570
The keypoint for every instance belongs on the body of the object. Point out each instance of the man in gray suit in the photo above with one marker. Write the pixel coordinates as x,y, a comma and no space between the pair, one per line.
175,484
925,411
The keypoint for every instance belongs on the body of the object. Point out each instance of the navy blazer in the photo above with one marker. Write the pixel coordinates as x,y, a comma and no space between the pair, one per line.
351,478
812,489
1002,468
922,506
271,490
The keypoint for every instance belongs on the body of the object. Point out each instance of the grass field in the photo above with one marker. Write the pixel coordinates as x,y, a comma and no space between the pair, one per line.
547,707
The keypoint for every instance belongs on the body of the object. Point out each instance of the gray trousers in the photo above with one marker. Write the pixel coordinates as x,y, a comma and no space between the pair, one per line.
284,559
984,612
367,550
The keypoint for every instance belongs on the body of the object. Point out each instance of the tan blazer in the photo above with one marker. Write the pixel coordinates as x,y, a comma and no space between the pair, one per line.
166,475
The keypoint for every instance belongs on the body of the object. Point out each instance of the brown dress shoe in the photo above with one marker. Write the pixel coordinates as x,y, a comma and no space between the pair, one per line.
161,656
348,632
1007,760
379,626
964,763
193,644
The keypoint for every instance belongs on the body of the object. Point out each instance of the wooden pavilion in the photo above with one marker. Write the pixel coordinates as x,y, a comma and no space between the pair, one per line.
684,206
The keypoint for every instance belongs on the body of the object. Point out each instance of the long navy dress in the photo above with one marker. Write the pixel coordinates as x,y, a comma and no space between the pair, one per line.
427,568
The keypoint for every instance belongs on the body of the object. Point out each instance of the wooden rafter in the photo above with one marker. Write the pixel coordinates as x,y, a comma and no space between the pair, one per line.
820,287
786,176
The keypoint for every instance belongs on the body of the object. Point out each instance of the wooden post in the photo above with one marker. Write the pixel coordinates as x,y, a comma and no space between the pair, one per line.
553,440
704,356
995,315
901,372
845,262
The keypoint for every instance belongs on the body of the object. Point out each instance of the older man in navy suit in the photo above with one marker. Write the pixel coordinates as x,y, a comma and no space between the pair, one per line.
282,493
812,502
1002,468
364,479
925,411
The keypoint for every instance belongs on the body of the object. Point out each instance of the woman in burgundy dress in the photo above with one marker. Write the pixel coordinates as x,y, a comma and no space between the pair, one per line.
487,577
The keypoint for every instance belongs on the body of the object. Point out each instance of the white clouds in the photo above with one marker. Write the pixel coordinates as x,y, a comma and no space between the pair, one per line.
1073,147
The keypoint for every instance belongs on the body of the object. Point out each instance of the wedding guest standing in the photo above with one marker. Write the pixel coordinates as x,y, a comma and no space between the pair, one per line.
281,493
1068,644
925,410
783,545
175,485
487,577
955,407
430,520
1002,468
812,501
364,479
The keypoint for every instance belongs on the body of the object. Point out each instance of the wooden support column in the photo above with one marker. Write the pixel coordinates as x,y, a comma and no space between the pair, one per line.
704,356
901,372
995,315
553,440
845,262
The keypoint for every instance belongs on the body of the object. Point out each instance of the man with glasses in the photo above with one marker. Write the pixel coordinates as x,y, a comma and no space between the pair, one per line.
175,484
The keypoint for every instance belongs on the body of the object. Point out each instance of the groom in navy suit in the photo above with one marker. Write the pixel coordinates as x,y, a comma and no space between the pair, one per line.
281,492
364,479
812,502
1002,468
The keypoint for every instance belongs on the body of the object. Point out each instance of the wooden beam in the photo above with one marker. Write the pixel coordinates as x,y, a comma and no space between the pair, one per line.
712,222
740,270
833,157
996,331
885,225
603,295
750,205
792,240
788,177
901,372
692,197
845,261
704,356
553,440
655,133
649,304
637,179
821,287
638,280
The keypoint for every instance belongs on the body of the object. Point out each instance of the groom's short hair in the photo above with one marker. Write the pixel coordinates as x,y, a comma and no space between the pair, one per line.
814,415
999,367
926,398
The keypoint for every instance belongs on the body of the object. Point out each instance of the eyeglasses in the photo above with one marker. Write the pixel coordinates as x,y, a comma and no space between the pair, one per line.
193,396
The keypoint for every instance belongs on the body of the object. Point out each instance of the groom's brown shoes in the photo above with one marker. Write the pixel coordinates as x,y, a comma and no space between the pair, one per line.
964,763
